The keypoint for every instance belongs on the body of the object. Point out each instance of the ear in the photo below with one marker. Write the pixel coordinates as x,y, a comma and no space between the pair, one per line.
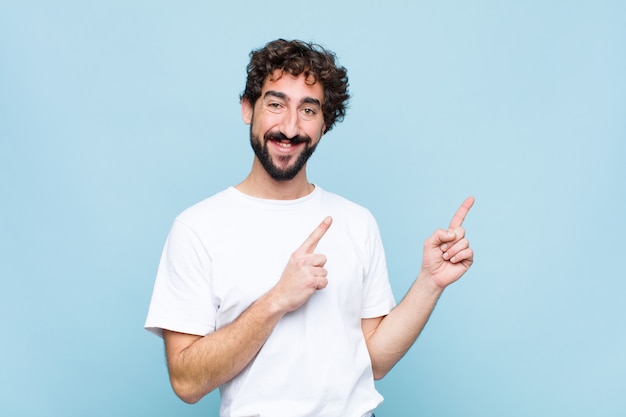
246,111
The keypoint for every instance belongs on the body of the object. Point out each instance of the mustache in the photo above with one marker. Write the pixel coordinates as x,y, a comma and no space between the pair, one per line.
280,137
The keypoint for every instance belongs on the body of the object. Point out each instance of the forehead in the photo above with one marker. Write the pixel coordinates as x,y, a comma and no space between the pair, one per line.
293,87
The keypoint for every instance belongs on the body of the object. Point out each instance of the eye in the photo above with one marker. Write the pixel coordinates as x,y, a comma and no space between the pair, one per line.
274,106
309,112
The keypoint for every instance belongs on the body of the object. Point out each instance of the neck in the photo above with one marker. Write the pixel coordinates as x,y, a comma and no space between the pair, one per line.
259,184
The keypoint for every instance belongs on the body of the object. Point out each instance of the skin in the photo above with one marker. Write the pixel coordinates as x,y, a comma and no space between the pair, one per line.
199,364
287,105
447,256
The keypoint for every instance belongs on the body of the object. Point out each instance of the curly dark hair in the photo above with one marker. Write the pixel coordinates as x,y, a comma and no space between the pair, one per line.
298,57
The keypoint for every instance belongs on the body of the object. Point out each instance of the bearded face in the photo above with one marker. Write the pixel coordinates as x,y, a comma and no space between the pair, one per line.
283,167
286,124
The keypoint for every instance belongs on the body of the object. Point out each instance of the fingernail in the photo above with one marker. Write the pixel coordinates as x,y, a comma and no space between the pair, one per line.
444,247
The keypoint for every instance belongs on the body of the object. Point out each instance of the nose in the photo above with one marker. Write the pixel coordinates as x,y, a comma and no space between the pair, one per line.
289,124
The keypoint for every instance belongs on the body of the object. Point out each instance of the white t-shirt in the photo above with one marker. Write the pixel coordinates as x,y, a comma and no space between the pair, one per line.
226,251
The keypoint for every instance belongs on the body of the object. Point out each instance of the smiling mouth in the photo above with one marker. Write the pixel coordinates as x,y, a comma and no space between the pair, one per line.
285,142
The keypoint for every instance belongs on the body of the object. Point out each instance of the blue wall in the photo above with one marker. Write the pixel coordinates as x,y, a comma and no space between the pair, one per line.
115,116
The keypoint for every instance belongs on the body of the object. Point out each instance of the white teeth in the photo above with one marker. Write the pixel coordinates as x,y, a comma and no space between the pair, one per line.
284,145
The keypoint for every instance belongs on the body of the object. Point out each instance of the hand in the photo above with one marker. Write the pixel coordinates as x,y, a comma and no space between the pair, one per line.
305,272
447,254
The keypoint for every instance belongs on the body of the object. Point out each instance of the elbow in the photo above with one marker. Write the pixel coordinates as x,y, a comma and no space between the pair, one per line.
380,371
382,366
379,374
187,395
188,392
189,399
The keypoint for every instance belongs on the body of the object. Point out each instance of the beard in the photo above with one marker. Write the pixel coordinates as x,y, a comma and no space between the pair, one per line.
285,172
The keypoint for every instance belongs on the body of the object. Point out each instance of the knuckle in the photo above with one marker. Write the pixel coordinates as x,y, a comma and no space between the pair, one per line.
299,261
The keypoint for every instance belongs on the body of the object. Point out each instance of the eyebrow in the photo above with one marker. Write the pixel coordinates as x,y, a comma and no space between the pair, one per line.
283,96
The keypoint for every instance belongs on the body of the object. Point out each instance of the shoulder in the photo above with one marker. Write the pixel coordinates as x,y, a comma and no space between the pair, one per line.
350,217
346,206
212,207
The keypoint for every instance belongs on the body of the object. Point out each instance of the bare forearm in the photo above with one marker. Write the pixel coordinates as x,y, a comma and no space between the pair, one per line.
397,331
198,365
447,256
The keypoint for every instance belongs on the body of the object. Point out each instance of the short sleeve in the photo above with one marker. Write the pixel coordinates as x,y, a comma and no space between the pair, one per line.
378,298
182,297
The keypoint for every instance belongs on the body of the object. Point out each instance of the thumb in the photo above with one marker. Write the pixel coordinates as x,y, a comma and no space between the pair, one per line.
441,236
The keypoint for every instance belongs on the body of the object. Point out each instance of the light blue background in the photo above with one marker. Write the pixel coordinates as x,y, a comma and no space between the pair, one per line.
115,116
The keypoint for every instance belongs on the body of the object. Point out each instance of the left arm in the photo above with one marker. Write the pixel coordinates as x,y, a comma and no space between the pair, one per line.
447,256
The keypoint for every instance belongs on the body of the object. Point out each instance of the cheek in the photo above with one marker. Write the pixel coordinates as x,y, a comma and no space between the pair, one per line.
264,124
256,127
316,133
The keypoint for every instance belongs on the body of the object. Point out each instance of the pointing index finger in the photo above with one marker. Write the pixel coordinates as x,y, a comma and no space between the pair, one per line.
460,214
314,238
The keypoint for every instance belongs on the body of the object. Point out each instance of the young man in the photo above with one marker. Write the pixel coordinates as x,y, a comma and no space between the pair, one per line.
275,290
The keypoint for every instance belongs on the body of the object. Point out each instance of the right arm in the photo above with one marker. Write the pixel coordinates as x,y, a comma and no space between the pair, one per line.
199,364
